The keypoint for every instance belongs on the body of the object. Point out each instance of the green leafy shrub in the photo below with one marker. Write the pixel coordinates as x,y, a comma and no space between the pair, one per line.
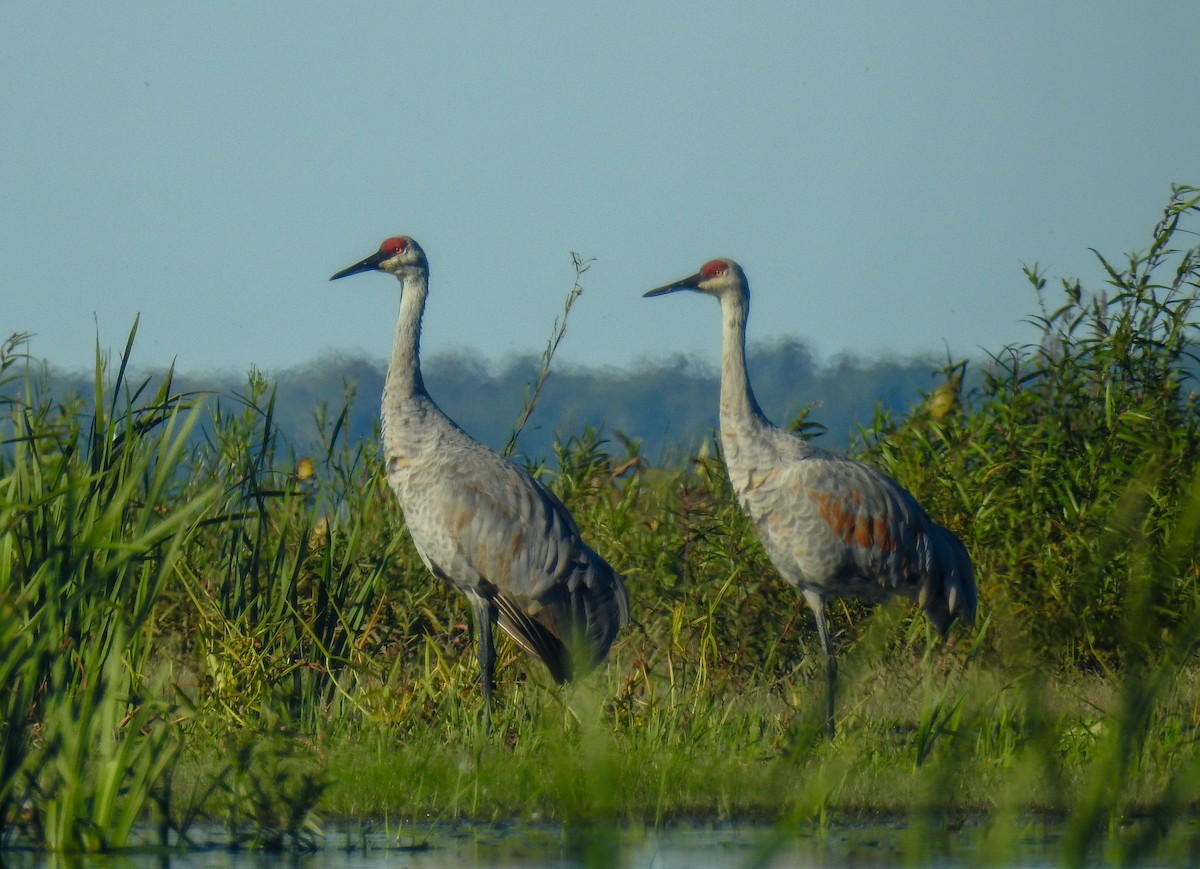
1039,464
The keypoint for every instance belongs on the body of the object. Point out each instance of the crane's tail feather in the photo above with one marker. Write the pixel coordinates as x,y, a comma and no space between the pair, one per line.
599,609
535,638
949,590
571,630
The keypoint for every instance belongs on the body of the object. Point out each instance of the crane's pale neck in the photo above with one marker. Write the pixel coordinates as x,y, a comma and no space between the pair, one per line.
404,370
739,409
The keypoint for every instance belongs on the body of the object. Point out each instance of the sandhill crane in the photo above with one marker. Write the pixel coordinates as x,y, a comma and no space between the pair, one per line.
829,524
481,523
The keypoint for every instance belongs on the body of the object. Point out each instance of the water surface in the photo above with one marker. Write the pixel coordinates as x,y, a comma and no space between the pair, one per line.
679,846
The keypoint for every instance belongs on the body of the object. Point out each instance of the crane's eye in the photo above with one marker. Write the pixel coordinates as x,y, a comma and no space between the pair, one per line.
393,246
713,268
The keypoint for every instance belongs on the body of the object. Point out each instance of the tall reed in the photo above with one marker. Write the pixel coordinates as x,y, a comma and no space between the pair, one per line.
91,528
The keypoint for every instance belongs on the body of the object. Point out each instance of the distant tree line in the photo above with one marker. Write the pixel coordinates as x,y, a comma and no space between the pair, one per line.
668,406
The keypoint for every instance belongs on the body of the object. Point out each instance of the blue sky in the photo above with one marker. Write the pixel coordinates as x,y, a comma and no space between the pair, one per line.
881,170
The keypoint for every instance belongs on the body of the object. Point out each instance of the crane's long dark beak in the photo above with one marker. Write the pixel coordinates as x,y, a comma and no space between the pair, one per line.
371,263
688,283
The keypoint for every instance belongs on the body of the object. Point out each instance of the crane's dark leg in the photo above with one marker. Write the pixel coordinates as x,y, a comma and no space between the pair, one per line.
484,617
817,604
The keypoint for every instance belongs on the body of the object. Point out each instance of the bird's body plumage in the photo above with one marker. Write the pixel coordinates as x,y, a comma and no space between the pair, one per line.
499,536
484,524
830,525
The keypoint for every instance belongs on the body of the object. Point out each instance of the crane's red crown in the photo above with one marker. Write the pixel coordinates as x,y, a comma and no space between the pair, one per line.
393,246
712,268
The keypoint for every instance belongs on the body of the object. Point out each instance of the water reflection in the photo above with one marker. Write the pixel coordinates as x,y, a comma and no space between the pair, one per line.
729,846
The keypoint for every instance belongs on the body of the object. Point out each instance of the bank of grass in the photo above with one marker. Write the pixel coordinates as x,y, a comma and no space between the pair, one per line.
199,624
1013,748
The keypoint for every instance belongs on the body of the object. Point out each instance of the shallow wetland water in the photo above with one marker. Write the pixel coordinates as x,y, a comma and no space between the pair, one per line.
677,846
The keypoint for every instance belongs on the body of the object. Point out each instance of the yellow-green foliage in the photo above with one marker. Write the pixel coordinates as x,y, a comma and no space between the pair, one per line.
1094,430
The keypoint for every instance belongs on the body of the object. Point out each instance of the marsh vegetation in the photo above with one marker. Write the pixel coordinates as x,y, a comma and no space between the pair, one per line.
199,624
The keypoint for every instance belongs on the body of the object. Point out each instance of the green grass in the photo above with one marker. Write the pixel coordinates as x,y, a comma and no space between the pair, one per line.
200,625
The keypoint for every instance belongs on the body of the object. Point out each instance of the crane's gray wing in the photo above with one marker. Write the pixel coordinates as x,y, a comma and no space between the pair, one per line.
865,535
517,545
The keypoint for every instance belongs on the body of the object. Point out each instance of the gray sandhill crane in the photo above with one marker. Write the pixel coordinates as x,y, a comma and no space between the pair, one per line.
829,524
481,523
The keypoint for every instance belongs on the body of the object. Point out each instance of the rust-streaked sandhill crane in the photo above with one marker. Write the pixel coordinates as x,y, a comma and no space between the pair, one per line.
829,524
481,523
